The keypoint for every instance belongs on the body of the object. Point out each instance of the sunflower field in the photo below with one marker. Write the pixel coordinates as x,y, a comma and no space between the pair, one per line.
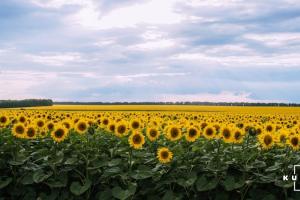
233,153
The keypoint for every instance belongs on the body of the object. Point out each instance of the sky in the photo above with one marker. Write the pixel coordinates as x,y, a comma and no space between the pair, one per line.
150,50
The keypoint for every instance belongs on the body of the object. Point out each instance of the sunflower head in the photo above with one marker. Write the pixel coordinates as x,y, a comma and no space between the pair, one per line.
30,132
164,155
174,133
238,136
152,133
192,134
19,130
121,129
294,142
226,134
81,126
136,140
266,140
59,134
209,132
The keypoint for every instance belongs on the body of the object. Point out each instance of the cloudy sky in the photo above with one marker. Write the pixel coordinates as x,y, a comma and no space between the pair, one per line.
150,50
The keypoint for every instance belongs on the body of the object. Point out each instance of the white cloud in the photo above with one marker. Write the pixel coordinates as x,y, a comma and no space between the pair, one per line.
275,39
153,45
149,12
224,96
55,59
58,3
256,60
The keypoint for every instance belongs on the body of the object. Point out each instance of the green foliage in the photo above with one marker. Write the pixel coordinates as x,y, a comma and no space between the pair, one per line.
101,166
25,103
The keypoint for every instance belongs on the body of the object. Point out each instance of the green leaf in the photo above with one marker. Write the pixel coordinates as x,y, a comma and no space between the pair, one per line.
39,176
58,182
78,189
71,161
114,162
105,195
121,194
205,184
188,180
111,171
273,168
142,172
27,179
5,181
233,182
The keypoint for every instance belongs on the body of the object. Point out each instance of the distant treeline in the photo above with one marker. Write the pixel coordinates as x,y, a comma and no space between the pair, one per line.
25,103
182,103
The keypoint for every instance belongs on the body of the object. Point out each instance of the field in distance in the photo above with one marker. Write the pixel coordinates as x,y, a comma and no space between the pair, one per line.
187,108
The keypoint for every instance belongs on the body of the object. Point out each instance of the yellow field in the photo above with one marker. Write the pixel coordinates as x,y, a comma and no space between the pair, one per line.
203,149
187,108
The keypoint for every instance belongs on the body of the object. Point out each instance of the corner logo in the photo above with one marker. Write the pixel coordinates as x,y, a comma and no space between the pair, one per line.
293,177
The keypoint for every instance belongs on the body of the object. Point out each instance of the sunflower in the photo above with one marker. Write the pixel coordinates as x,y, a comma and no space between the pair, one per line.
281,137
192,134
81,126
39,123
269,127
50,126
294,141
226,134
152,134
22,119
67,124
43,133
121,129
238,136
59,134
112,127
30,132
209,132
164,155
173,133
136,140
3,121
19,130
266,140
135,124
104,121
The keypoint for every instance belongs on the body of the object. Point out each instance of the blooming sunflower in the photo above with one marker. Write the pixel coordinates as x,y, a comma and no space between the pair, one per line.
226,134
19,130
121,129
281,137
135,124
266,140
50,126
3,121
192,134
59,134
209,132
112,127
67,124
39,123
136,140
30,132
269,127
81,126
22,119
238,136
152,134
173,133
164,155
294,141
